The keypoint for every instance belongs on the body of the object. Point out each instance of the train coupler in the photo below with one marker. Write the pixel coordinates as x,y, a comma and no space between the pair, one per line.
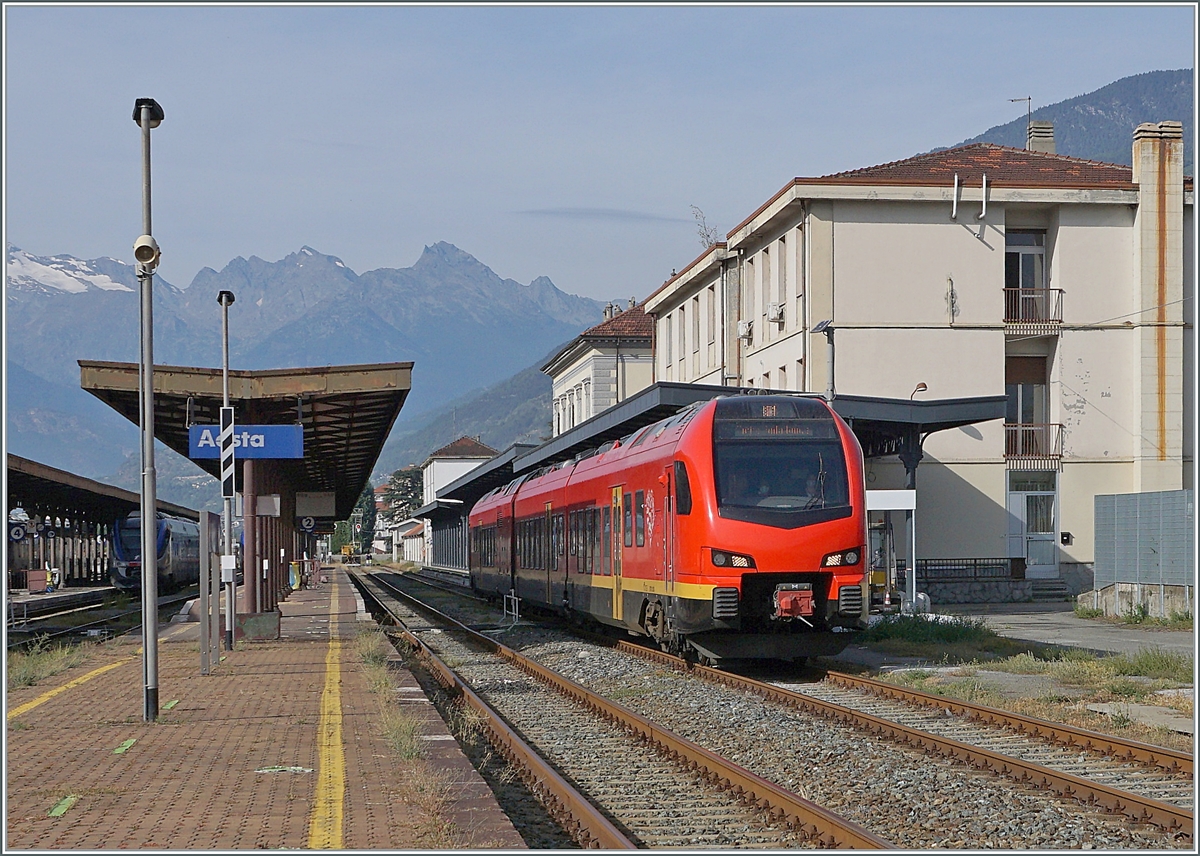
794,600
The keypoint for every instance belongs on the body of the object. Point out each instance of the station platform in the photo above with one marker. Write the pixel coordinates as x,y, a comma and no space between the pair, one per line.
283,746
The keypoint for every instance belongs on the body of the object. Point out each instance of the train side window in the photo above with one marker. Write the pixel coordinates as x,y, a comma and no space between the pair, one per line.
683,490
606,540
627,519
639,518
595,548
585,545
574,537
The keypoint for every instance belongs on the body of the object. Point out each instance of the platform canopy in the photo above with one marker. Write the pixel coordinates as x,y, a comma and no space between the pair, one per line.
42,489
884,426
347,413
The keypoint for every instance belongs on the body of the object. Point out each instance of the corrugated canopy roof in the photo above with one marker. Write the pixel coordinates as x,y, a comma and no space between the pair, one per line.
347,413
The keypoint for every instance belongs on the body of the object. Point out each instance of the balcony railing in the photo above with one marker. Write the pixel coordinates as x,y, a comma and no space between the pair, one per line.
1033,310
1032,446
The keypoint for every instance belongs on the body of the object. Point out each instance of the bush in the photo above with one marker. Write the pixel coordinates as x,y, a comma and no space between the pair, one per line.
917,629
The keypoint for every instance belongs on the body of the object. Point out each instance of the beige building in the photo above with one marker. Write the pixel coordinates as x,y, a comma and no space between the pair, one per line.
602,367
1063,283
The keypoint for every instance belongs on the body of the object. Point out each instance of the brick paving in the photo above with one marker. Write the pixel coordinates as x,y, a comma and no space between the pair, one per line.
191,780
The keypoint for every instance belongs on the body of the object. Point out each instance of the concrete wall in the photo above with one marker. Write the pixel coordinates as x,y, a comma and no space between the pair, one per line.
1124,599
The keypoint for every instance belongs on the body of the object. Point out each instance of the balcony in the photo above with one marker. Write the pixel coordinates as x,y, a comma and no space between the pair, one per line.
1033,311
1033,447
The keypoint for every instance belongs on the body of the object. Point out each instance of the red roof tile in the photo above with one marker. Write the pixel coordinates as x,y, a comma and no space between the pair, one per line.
1003,165
628,324
464,447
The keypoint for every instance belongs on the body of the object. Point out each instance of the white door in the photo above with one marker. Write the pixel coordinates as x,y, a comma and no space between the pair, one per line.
1032,522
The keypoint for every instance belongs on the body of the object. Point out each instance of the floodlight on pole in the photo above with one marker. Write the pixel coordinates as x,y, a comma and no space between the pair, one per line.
826,327
921,387
148,114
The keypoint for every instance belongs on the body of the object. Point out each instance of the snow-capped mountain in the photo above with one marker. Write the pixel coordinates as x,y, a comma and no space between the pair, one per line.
27,272
464,326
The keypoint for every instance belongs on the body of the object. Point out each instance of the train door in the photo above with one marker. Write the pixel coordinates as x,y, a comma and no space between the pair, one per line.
668,528
617,540
549,557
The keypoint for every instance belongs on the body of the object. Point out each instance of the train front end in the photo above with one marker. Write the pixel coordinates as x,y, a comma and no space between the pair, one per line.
125,573
778,529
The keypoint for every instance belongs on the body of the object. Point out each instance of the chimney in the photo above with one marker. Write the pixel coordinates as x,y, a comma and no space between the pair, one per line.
632,302
1040,137
608,311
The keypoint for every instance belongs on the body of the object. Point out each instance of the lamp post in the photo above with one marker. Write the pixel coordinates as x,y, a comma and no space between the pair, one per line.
148,114
826,327
921,387
225,298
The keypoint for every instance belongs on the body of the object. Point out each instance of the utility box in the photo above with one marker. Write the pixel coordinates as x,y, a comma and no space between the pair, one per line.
37,580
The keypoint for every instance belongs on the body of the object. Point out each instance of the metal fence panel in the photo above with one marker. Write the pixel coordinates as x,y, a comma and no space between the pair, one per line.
1145,538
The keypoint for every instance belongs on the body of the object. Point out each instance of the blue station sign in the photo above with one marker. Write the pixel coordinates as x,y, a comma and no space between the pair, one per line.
249,441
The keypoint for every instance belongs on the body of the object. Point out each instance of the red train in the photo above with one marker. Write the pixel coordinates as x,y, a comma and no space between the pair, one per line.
735,528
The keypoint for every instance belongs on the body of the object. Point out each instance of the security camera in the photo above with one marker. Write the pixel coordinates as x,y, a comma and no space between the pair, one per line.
145,250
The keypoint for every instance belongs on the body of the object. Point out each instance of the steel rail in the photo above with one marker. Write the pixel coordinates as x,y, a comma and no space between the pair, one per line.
810,820
1163,815
1170,760
565,804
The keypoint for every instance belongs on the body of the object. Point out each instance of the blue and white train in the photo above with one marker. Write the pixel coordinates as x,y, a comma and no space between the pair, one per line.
178,552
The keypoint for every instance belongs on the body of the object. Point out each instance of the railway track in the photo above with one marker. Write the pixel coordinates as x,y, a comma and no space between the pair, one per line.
612,777
83,623
1155,786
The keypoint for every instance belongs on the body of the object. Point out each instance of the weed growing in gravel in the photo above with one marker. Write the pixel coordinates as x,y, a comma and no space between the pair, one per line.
402,731
1139,616
944,639
1156,663
43,660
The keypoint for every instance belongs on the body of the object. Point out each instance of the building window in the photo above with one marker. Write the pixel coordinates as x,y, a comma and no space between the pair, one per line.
1024,275
667,324
765,274
783,377
712,314
1027,390
748,297
696,335
781,289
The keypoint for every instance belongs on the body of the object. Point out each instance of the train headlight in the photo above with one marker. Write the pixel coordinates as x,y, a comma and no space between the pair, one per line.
843,557
722,559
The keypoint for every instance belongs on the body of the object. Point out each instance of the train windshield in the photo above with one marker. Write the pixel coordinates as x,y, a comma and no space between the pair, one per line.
129,538
779,461
788,475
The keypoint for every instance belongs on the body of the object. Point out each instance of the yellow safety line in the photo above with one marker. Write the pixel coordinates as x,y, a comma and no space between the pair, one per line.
46,696
325,821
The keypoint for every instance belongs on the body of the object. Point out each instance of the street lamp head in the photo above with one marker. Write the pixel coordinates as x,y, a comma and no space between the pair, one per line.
822,326
145,250
921,387
225,298
156,112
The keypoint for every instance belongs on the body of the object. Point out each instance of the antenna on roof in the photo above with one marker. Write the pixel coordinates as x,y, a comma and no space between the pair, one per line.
1028,115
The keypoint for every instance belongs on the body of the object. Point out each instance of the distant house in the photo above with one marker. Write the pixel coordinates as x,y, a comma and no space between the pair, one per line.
603,366
442,467
451,461
408,541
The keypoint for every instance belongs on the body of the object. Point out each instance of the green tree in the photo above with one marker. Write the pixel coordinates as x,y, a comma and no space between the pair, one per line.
344,531
404,494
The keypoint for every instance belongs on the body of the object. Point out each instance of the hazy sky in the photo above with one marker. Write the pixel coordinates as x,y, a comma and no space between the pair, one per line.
560,141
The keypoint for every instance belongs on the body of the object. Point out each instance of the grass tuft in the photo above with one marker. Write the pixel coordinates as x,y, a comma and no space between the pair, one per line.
42,660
